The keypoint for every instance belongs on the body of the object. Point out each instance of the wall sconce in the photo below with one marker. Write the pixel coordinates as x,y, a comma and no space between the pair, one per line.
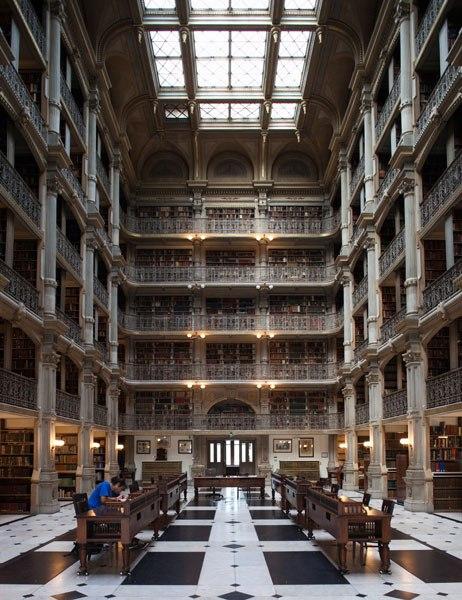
367,444
196,384
264,334
119,446
264,286
95,445
197,237
343,445
196,334
264,238
57,443
271,386
405,442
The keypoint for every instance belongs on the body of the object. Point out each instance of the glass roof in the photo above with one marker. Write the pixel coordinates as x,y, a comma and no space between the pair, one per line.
282,111
292,53
229,5
176,111
167,52
299,4
160,5
232,111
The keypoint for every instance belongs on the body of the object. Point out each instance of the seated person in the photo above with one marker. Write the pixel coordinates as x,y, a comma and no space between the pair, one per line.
105,490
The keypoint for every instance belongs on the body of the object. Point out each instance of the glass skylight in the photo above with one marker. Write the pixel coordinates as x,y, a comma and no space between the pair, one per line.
234,111
176,111
225,5
167,53
299,4
292,53
160,5
227,59
283,111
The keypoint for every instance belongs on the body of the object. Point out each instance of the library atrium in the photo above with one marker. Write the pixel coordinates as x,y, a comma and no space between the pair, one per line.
230,299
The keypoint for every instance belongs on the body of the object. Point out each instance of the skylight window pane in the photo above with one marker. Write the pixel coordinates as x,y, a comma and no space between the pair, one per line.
289,72
249,4
248,43
170,72
246,72
176,111
283,111
214,111
299,4
160,4
209,4
166,43
245,112
212,72
293,43
211,43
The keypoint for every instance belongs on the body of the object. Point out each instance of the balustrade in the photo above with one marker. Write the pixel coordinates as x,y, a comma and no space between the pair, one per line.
445,389
33,22
300,372
387,108
231,372
236,323
102,349
72,108
102,175
17,390
442,192
359,349
386,183
392,254
155,372
426,24
74,185
395,404
100,292
360,291
389,327
68,251
362,414
75,331
303,323
19,191
357,176
19,288
442,288
100,415
180,322
67,405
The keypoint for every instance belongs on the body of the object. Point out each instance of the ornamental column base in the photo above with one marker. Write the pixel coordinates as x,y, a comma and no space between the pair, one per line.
350,478
419,490
377,481
85,480
44,492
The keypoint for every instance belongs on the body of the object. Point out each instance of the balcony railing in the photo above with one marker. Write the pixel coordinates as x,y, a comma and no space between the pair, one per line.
19,288
388,108
233,322
18,189
74,185
232,372
100,414
445,389
386,183
360,291
448,82
67,405
17,390
395,404
388,329
68,251
359,349
102,349
362,414
105,237
238,422
102,175
325,322
303,226
441,193
153,372
71,105
442,288
392,254
426,24
100,292
32,20
356,177
300,372
13,81
180,322
75,331
230,274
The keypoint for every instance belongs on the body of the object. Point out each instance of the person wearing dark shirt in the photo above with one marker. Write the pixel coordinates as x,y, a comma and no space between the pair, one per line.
105,490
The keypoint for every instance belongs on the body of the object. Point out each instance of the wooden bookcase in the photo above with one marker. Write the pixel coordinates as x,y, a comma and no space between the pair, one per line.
99,459
293,257
226,354
446,447
25,260
286,352
163,257
230,306
295,212
363,461
163,353
447,491
66,465
396,458
232,258
16,466
229,214
300,402
23,354
72,303
161,305
438,353
388,302
177,402
164,212
435,259
314,304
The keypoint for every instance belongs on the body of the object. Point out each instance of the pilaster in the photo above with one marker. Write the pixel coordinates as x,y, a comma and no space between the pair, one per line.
377,471
410,206
366,109
350,468
85,474
49,282
54,92
347,283
90,246
402,16
345,202
372,276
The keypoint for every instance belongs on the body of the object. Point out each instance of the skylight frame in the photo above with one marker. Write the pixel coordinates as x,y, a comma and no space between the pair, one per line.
230,112
292,57
166,48
169,5
229,6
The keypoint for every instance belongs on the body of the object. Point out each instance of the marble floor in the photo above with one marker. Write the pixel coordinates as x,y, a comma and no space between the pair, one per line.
232,549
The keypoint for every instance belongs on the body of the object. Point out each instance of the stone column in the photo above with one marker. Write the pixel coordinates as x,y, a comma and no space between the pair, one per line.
347,283
263,464
419,478
372,277
377,471
129,443
403,17
113,324
90,245
93,105
263,153
366,108
199,456
111,468
115,198
44,482
85,475
350,468
49,280
410,231
345,202
332,451
54,92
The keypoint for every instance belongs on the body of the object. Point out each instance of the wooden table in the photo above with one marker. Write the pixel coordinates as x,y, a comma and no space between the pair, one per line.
348,521
117,522
277,485
238,481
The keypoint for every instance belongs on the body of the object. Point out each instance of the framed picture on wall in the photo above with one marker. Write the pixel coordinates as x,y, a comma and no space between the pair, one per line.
143,446
284,445
306,447
184,447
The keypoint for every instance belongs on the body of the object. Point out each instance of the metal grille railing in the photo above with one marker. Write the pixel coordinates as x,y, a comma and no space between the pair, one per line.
388,328
67,405
75,331
426,24
71,105
100,292
395,404
17,390
74,185
19,288
101,173
392,254
445,389
32,20
357,176
100,414
362,414
385,184
441,193
19,191
67,250
388,108
360,291
443,288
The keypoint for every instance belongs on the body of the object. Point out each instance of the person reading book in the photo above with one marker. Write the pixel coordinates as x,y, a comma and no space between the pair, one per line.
105,490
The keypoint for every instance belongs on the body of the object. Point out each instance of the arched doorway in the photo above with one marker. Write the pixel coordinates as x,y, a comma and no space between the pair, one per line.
231,407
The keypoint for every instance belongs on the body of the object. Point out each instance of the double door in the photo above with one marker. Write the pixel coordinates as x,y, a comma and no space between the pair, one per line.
231,456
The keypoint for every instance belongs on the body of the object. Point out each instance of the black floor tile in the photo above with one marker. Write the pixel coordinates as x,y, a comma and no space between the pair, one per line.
69,536
235,596
431,566
267,514
169,568
402,595
187,533
69,596
197,514
260,502
399,535
279,533
35,567
203,502
302,568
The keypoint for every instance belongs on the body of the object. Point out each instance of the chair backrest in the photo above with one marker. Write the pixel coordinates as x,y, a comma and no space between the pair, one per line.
80,502
334,488
388,506
366,499
134,487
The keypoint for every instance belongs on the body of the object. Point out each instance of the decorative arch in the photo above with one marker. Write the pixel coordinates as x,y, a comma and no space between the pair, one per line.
230,166
115,30
294,166
231,406
165,166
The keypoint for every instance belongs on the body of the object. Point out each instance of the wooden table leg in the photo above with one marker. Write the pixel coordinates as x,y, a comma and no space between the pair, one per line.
385,559
178,506
125,559
185,494
273,494
262,492
83,570
196,493
342,553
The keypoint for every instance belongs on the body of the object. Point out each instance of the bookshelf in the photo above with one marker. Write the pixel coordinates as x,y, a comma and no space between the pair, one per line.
435,259
164,212
288,402
176,402
295,212
25,260
363,461
457,222
438,353
22,354
163,257
66,465
33,83
3,220
446,446
161,305
297,352
396,458
99,459
163,353
102,328
388,302
16,466
232,258
314,304
226,354
230,306
229,214
72,303
297,257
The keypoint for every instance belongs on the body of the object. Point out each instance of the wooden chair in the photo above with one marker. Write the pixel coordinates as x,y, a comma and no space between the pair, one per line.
334,488
366,499
388,506
211,472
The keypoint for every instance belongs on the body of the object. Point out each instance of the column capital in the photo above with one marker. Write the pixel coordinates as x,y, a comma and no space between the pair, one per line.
342,159
402,11
407,186
366,98
370,242
412,357
51,359
116,159
93,100
54,185
57,9
373,377
91,242
348,390
346,277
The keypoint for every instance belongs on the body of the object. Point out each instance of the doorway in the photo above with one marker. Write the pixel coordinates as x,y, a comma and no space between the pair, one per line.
231,456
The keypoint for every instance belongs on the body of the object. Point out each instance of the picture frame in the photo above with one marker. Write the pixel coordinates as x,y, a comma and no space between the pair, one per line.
143,446
306,447
184,446
283,445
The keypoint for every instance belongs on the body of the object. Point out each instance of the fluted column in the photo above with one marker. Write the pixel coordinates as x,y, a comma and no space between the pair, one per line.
347,283
377,471
350,468
345,202
111,467
410,207
44,481
49,281
54,93
116,200
403,17
366,108
372,276
419,479
93,106
85,473
113,325
90,245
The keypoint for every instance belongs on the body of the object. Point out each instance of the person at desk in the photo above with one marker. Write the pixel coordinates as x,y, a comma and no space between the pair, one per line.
105,490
